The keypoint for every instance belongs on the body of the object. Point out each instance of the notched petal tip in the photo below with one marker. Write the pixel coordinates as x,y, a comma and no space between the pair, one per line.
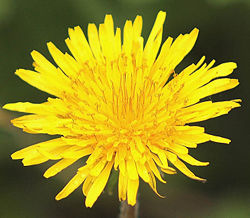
77,28
70,31
204,181
50,44
108,18
18,71
35,54
47,175
193,36
205,164
26,163
7,106
15,156
161,15
58,197
195,31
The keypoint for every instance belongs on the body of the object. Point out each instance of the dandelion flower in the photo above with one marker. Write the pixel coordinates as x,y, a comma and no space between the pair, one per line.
122,105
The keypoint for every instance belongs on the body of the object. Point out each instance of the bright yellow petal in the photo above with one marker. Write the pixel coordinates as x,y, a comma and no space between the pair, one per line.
131,169
98,185
132,191
187,158
122,187
182,167
73,184
58,167
142,171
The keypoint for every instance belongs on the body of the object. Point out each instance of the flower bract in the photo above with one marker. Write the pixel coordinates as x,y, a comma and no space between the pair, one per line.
118,101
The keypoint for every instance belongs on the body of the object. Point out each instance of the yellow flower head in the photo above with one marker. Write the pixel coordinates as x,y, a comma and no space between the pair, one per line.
115,103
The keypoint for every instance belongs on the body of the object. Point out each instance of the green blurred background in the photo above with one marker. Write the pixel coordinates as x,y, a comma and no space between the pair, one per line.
224,35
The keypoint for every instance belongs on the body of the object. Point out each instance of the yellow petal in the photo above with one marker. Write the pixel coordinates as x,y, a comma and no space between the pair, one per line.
94,41
168,170
182,167
134,152
87,184
178,149
142,171
122,187
156,28
38,81
25,152
131,169
187,158
132,191
219,139
58,167
76,152
152,183
96,169
127,37
26,107
73,184
154,169
63,61
35,159
29,151
182,46
98,185
78,45
139,144
137,27
215,86
207,110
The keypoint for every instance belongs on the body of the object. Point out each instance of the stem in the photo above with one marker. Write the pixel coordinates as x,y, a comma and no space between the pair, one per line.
128,211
